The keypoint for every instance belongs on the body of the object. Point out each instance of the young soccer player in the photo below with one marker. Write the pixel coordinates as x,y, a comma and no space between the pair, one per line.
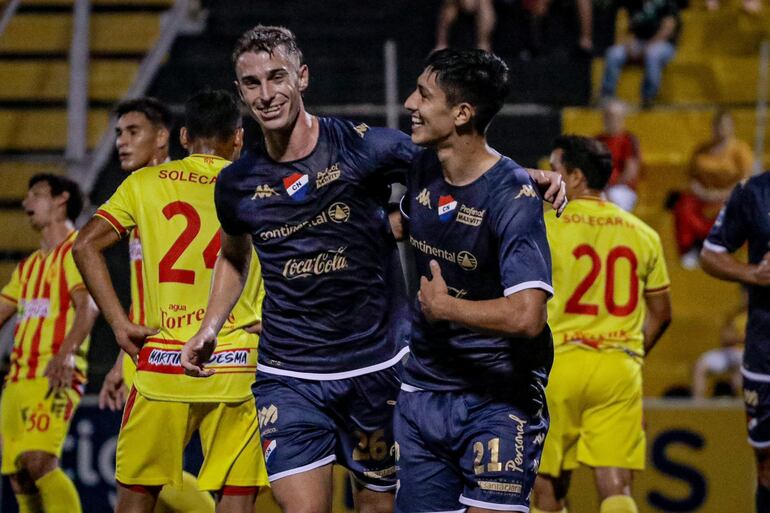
471,414
745,219
611,306
172,207
55,315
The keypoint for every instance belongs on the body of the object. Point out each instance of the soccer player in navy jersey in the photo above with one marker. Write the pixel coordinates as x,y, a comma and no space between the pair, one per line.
744,218
472,417
334,320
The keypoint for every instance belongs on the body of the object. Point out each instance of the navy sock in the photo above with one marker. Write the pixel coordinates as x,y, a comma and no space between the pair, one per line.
763,499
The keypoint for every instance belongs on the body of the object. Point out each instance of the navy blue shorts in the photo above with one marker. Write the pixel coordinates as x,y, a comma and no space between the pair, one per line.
756,396
456,450
305,424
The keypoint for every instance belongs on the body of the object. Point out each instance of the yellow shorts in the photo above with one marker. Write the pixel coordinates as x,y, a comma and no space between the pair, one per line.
153,436
31,419
595,403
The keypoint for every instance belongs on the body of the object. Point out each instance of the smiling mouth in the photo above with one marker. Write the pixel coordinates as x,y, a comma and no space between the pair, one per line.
271,110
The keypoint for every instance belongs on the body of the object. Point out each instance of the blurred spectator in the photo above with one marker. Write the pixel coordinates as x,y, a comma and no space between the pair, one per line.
726,360
716,166
538,9
626,160
483,13
654,27
750,6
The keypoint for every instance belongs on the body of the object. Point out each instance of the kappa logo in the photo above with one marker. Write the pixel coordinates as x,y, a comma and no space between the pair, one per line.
263,191
296,186
361,129
424,198
458,293
267,415
446,206
751,397
526,191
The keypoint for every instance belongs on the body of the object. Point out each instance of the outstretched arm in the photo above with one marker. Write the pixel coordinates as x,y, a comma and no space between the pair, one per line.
228,280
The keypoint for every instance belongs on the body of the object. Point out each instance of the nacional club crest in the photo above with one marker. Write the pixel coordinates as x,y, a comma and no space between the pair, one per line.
446,205
296,186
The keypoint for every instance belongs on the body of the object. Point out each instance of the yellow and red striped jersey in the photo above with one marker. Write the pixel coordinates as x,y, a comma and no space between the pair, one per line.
171,207
604,261
41,287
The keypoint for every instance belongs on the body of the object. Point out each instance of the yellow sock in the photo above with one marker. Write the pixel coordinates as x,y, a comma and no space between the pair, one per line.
618,504
185,499
58,493
533,509
29,503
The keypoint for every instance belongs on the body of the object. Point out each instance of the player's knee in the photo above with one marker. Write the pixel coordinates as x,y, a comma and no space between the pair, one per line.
374,502
613,482
548,494
36,464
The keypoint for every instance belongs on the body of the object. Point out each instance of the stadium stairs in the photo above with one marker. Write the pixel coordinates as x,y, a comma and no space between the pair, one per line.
716,65
33,111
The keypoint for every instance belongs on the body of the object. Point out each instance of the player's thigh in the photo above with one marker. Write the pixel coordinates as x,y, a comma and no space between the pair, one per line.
297,434
305,492
428,480
502,445
363,409
756,397
612,434
151,441
34,420
232,454
564,397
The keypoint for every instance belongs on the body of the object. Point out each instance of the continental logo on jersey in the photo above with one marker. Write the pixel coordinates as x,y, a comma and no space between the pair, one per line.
33,308
446,206
527,191
470,216
267,415
263,191
361,129
327,176
323,263
337,213
424,198
464,259
296,186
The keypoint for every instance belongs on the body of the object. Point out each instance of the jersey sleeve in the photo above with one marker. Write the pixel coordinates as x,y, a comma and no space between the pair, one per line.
226,200
731,228
389,153
71,273
657,275
120,209
12,290
525,259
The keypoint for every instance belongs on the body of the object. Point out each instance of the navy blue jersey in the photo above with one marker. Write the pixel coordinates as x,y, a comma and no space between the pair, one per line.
745,218
332,279
489,239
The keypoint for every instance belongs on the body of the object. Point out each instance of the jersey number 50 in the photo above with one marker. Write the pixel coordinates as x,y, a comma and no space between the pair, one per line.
574,306
166,270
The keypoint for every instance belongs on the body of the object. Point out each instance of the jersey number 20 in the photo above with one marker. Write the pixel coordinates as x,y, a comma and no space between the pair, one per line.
574,305
167,271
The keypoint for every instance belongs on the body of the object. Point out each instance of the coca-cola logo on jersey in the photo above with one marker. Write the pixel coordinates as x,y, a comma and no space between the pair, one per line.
322,263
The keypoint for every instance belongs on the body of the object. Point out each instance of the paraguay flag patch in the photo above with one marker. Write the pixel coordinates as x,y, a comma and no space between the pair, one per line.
446,205
296,186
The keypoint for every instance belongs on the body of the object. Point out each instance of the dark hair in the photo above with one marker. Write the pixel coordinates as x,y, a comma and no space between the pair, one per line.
266,38
589,155
474,76
60,185
211,115
152,108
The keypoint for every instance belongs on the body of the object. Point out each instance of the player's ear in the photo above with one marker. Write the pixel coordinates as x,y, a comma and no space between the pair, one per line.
162,137
464,113
238,143
304,77
238,90
183,140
